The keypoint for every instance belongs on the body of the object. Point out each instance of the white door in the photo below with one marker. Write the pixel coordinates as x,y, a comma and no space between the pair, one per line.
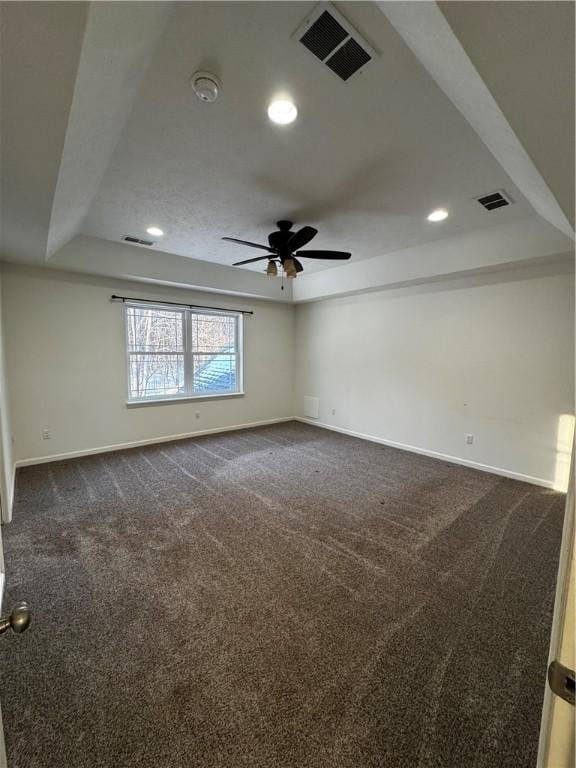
556,749
3,763
16,618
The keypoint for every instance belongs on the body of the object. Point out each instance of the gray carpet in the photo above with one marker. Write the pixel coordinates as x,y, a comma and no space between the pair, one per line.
282,597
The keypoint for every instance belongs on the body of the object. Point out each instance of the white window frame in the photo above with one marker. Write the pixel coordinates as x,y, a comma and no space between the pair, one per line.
188,354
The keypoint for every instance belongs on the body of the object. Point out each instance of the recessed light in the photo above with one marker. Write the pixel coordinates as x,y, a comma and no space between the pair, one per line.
282,111
155,231
438,215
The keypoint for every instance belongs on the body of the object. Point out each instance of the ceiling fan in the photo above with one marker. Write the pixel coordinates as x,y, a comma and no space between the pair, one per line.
283,248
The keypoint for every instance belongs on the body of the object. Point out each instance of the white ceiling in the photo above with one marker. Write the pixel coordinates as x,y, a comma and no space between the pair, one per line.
102,137
364,163
40,49
529,63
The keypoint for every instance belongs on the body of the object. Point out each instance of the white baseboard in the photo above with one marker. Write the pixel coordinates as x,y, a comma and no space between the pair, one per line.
433,454
372,438
149,441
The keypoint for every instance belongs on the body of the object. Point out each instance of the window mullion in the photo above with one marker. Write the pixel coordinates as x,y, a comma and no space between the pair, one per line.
192,316
238,336
187,341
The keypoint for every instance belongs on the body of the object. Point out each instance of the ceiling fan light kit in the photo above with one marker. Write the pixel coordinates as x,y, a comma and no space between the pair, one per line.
290,268
283,245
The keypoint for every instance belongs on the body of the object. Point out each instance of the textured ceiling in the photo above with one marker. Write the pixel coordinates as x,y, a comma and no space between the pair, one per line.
364,163
102,136
528,66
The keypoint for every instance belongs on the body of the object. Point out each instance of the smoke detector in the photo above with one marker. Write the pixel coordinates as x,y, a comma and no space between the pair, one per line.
206,86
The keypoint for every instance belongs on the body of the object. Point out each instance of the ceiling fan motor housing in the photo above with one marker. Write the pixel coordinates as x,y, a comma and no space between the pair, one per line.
284,248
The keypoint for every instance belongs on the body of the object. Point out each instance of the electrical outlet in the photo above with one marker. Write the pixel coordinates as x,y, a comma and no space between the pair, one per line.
46,434
333,411
197,414
469,439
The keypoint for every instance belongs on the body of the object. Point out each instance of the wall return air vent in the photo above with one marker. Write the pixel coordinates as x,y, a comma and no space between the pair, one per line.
495,200
334,41
137,240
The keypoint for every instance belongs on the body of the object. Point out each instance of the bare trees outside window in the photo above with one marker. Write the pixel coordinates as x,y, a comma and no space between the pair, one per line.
176,353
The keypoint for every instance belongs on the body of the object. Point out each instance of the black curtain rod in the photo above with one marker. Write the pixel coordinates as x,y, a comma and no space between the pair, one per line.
124,299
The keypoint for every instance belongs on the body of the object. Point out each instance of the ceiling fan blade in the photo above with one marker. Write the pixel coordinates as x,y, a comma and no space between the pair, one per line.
298,265
300,238
340,255
249,261
247,242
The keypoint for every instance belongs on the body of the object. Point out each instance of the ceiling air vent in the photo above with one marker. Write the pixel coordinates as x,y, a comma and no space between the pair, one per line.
495,200
137,240
323,36
334,41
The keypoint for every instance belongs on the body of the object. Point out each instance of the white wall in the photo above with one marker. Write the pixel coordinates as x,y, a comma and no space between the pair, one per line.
67,371
425,366
499,247
421,366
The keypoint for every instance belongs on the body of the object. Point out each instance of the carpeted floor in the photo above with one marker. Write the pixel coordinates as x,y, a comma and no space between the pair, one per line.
282,597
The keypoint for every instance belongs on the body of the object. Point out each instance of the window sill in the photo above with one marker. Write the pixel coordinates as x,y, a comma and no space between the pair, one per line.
186,399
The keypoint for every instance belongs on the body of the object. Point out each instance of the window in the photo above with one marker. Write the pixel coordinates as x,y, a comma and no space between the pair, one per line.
178,353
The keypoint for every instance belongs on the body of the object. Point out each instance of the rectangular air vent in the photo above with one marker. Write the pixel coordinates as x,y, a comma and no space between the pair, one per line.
495,200
348,59
311,407
334,41
323,36
137,240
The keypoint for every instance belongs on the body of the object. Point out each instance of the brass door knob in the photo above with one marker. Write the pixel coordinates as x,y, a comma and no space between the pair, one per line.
19,619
